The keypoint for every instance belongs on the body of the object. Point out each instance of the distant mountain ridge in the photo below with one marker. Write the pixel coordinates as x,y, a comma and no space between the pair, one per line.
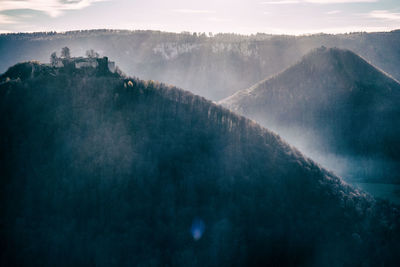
214,67
101,169
332,102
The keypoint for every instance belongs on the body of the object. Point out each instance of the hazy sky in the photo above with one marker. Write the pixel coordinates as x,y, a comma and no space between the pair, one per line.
242,16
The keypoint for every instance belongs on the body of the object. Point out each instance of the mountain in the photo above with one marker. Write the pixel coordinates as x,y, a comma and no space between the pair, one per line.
211,66
335,107
101,169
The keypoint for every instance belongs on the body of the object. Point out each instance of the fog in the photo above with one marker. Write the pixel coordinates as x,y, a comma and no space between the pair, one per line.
351,168
336,108
214,66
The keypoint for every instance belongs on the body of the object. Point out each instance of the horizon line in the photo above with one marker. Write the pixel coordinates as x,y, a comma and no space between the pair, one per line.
207,34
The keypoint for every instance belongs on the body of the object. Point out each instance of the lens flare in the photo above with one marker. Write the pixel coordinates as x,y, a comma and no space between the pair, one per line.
197,229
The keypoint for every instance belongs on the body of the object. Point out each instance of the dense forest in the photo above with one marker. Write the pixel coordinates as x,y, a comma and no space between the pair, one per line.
105,170
213,66
335,107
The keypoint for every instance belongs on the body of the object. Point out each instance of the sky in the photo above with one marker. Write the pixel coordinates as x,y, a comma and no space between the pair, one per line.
238,16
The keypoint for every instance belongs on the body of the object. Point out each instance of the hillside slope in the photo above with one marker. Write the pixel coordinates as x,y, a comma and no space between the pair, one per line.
332,103
214,67
99,169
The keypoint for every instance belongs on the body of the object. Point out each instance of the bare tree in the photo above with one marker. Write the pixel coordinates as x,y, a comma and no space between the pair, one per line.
92,54
53,58
65,52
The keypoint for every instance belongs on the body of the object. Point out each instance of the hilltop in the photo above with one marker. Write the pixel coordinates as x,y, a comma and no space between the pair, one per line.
332,103
214,66
109,170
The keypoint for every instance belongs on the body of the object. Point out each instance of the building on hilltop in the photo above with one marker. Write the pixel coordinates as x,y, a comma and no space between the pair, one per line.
111,66
102,64
81,62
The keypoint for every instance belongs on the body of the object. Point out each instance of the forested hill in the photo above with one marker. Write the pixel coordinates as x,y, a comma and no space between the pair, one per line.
214,67
335,103
99,169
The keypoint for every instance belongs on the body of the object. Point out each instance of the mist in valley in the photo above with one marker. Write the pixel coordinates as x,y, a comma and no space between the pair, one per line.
352,168
337,109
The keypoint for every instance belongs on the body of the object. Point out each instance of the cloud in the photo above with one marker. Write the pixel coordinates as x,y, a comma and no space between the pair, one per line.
332,12
4,19
53,8
282,2
384,14
339,1
194,11
285,2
